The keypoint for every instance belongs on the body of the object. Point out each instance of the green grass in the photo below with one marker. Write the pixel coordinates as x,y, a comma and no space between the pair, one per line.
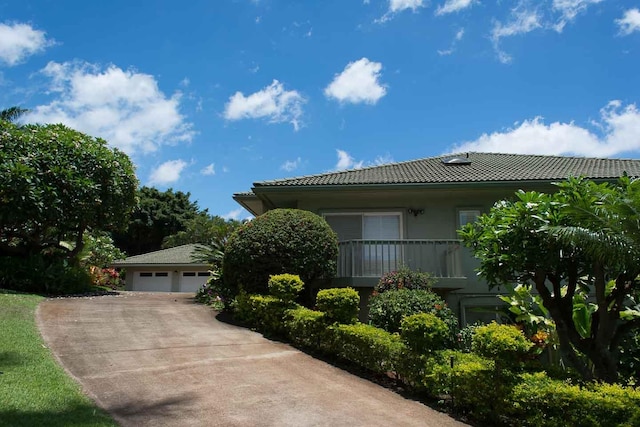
34,389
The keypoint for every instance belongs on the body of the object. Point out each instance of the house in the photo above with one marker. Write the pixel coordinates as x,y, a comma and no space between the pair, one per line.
167,270
408,213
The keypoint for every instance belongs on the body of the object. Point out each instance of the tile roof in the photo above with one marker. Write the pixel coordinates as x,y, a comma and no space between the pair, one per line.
176,255
483,167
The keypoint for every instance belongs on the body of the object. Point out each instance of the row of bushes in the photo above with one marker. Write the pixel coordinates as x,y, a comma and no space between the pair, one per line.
491,384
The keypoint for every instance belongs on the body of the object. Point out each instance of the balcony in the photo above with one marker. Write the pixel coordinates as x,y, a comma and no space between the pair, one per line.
362,262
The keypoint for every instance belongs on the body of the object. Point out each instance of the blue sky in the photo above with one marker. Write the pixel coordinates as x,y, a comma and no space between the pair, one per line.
211,96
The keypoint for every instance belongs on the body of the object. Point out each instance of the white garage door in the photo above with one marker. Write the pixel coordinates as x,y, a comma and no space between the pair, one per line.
153,281
190,281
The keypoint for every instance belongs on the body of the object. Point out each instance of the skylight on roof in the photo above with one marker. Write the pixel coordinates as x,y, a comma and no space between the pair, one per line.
454,161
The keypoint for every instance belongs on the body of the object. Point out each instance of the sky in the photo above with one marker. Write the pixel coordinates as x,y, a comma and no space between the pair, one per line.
208,97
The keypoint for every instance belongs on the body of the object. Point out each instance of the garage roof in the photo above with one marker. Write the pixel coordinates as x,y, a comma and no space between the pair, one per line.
179,255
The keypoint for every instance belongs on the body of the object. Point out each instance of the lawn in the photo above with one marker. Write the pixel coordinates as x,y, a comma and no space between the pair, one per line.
34,389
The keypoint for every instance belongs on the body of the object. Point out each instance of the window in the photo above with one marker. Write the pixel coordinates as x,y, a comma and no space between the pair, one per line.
366,226
204,274
465,216
188,274
146,274
162,274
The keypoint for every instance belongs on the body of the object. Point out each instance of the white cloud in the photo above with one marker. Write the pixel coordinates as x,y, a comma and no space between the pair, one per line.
451,6
18,41
522,21
124,107
452,47
345,161
618,132
167,173
569,9
234,214
291,165
358,83
630,22
272,102
396,6
208,170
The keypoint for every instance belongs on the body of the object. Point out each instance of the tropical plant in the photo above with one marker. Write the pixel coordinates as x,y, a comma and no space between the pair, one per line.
580,250
12,114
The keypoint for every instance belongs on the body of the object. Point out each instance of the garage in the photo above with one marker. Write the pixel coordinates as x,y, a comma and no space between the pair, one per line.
191,281
167,270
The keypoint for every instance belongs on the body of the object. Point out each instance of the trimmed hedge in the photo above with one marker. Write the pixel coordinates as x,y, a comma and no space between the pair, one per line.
262,312
285,286
505,344
306,328
277,242
424,332
368,346
340,304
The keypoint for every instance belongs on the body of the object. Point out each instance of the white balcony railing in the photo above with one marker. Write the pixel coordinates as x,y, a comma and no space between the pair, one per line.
373,258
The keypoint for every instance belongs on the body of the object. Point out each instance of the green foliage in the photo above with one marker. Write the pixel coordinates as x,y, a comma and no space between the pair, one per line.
424,332
205,229
262,312
156,216
285,286
213,293
629,359
99,250
58,183
368,346
404,278
464,337
387,309
505,344
306,328
341,305
43,275
538,400
582,240
280,241
12,114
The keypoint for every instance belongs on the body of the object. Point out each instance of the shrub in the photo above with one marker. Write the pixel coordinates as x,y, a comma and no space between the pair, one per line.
368,346
105,277
277,242
41,274
538,400
424,332
285,286
306,327
265,313
387,309
464,337
629,360
340,304
505,344
404,278
213,293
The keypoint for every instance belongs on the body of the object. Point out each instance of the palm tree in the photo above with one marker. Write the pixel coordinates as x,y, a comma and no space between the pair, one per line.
12,114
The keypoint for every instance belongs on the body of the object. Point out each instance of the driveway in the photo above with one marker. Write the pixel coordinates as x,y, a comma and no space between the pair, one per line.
159,359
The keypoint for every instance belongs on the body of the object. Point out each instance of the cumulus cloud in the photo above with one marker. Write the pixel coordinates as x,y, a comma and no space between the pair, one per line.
396,6
569,9
359,82
291,165
273,103
630,22
167,173
18,41
522,21
345,161
617,131
208,170
452,6
122,106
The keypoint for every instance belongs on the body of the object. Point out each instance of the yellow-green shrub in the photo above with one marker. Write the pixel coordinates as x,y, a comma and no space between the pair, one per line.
505,344
285,286
340,304
424,332
305,327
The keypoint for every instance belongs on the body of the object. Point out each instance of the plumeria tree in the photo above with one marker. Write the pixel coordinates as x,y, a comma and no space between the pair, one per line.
579,248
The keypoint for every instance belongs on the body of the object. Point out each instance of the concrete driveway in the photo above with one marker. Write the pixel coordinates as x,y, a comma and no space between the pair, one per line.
160,359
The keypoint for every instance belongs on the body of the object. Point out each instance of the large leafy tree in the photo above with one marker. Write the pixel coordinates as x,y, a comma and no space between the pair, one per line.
159,214
205,229
580,249
55,185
